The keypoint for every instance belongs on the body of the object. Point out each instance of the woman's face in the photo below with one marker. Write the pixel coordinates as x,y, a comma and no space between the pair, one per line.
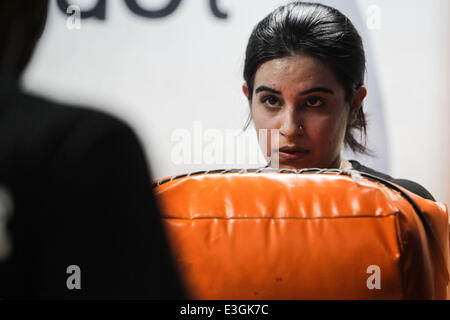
302,91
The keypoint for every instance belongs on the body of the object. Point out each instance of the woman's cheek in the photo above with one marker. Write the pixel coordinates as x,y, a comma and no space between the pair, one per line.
268,139
266,130
332,132
322,133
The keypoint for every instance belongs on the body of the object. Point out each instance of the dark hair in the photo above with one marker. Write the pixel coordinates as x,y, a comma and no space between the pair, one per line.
319,31
21,25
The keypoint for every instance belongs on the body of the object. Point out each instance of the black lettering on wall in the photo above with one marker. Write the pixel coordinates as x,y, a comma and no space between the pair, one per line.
216,11
154,14
99,11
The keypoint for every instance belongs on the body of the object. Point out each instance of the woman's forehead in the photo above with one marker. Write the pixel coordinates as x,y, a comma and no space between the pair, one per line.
299,71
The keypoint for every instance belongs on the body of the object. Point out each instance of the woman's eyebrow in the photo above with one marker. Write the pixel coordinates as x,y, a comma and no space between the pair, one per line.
314,89
317,89
264,88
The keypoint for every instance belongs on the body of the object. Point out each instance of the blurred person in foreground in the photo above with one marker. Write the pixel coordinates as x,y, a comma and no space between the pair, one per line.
82,222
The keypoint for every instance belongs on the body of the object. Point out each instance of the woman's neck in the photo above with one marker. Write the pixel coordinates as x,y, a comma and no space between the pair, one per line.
339,163
345,164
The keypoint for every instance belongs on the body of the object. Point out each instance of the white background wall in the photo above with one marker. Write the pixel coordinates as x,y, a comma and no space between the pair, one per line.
162,75
412,51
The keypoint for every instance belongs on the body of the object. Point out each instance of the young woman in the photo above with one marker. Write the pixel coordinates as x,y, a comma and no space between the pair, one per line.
304,80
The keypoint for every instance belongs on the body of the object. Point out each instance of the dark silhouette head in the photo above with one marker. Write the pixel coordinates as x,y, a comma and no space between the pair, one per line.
21,24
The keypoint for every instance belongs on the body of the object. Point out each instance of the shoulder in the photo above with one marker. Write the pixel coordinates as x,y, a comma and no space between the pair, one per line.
31,120
407,184
36,133
62,116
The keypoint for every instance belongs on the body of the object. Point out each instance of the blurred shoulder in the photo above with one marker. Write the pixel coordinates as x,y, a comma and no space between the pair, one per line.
50,111
40,117
34,130
407,184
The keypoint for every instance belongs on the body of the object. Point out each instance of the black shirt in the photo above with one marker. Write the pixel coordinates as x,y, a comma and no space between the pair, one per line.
82,196
407,184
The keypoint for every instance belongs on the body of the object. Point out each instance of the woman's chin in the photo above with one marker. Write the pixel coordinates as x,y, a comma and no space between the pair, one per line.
296,165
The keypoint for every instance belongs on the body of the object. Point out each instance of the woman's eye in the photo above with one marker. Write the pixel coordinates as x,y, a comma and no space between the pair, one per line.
270,102
315,102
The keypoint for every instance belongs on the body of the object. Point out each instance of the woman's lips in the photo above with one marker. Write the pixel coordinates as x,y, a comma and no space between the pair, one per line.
292,153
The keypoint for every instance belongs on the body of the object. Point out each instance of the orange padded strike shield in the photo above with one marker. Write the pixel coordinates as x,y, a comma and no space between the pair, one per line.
274,235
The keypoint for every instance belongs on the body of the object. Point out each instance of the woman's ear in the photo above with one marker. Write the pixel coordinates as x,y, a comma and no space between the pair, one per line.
356,104
245,89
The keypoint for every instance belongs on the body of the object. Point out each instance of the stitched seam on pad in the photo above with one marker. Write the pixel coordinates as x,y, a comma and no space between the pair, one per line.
399,233
401,249
278,218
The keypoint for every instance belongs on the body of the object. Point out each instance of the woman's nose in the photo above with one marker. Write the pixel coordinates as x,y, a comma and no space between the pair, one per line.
290,124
